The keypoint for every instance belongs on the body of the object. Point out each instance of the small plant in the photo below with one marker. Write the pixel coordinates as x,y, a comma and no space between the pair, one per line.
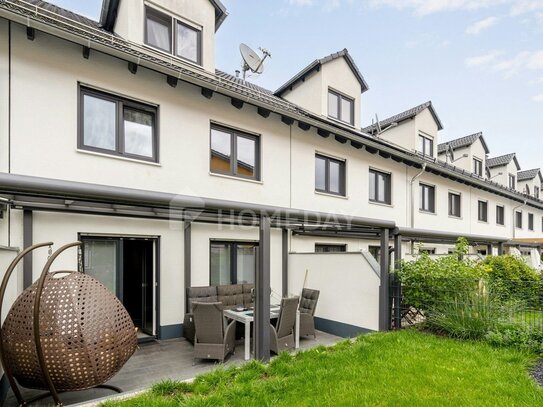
518,336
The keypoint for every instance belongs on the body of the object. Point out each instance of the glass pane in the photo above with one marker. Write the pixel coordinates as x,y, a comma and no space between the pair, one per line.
422,198
372,186
320,174
346,110
333,101
246,156
335,180
187,42
99,119
246,264
221,151
381,188
220,264
100,262
138,132
159,32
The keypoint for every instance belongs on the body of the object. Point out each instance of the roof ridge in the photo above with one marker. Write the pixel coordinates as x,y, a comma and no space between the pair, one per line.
406,115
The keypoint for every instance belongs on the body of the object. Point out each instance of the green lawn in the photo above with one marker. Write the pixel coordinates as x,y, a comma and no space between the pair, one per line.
406,368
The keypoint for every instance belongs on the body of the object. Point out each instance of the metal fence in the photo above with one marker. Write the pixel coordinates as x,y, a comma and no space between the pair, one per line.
468,304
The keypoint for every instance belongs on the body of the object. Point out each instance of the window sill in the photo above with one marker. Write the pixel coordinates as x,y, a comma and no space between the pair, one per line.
427,212
455,217
175,57
232,177
386,205
118,157
331,195
484,222
352,126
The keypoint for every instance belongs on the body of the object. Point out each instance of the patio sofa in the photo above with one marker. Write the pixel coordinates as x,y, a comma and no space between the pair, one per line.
229,295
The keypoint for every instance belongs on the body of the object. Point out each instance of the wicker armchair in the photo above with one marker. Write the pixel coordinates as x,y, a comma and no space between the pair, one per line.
282,335
308,305
213,338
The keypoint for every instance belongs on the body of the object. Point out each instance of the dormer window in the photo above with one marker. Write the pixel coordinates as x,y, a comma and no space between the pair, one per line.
512,182
340,107
426,146
478,167
173,36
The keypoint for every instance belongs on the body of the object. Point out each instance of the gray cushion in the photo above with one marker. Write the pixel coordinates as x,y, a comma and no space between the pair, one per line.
230,295
308,302
201,294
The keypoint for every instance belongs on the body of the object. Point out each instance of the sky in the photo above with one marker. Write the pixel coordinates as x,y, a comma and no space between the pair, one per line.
480,62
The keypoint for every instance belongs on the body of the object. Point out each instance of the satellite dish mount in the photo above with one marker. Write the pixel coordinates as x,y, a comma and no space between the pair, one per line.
251,60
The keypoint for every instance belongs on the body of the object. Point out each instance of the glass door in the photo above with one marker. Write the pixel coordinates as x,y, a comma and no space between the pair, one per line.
101,261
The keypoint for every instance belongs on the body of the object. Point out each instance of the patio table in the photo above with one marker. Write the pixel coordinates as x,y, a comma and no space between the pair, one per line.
246,317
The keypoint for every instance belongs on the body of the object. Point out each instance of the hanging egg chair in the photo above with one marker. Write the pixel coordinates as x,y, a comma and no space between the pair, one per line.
66,332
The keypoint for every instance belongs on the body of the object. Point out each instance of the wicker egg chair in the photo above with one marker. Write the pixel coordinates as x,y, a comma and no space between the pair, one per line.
66,332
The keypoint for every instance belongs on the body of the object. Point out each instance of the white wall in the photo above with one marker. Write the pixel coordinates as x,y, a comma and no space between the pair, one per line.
349,287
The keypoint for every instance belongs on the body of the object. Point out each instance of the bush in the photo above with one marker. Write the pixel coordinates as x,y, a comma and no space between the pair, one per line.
511,280
518,336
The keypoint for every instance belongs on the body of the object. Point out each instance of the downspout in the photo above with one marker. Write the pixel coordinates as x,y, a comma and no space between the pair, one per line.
413,199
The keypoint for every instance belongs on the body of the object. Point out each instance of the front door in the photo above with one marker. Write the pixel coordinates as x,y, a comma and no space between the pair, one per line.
126,267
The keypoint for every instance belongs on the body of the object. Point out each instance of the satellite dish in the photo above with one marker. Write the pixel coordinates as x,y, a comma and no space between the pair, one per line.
449,153
251,60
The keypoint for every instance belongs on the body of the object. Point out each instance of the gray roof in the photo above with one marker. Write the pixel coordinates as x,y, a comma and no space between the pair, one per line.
240,81
317,63
408,114
529,174
502,160
463,142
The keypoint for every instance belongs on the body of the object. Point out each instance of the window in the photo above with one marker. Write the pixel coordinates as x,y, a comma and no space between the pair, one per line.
117,126
427,250
536,192
478,167
518,220
426,146
330,248
454,204
530,221
329,175
512,182
232,263
234,153
380,186
340,107
172,36
427,198
483,211
500,215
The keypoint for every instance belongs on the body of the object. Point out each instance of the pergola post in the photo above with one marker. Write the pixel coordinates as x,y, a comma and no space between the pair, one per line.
397,294
489,249
27,242
285,262
262,288
187,250
500,249
384,309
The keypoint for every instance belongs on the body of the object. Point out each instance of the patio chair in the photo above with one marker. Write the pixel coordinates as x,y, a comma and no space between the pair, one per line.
308,305
282,335
213,339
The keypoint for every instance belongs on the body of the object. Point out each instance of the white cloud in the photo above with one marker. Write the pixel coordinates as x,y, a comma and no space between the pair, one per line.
483,60
525,6
425,7
538,98
482,25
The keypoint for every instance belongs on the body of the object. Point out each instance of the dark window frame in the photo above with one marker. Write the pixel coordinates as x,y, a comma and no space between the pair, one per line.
120,103
426,139
341,96
530,221
518,219
451,213
478,167
482,211
512,181
388,186
432,201
327,246
234,135
342,175
499,221
233,256
173,21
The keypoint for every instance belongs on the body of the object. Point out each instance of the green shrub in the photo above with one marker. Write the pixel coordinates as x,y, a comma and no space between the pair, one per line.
518,336
511,280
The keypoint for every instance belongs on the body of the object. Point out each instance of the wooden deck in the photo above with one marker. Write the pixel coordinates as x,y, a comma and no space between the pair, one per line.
158,360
